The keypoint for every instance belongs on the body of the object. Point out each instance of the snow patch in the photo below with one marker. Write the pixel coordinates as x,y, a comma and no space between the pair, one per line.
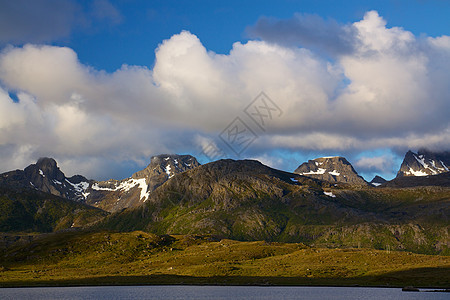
79,187
416,173
330,194
127,185
96,187
421,160
41,173
319,171
334,173
168,172
143,186
376,184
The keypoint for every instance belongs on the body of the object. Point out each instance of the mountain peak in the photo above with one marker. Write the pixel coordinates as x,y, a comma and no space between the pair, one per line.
377,181
46,176
48,166
167,165
332,169
45,167
424,163
130,192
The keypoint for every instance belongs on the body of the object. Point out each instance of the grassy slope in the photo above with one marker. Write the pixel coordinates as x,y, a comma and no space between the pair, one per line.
91,258
403,219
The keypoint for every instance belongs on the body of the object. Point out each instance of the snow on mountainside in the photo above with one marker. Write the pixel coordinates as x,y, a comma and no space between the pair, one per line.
424,163
111,195
332,169
114,195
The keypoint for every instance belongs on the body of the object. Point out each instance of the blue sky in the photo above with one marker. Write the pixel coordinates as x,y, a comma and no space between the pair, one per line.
104,85
143,25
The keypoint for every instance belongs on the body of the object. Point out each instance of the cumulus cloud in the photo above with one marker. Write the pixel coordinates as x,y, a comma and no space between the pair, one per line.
390,90
379,164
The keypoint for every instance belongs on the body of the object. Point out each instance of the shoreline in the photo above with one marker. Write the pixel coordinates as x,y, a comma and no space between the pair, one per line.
201,282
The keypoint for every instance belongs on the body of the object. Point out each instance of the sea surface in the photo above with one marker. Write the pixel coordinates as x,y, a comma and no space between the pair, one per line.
214,292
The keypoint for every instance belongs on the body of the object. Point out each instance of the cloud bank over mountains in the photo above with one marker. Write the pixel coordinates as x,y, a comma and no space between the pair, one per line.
342,88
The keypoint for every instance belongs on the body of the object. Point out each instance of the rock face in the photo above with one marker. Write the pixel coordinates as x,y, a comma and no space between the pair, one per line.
424,163
114,195
46,176
377,181
333,169
238,199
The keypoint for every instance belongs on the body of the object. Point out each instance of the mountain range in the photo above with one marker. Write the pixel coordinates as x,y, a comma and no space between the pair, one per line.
323,202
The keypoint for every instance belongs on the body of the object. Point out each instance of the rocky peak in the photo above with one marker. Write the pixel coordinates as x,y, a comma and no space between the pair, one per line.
114,195
332,169
424,163
45,167
377,181
167,165
46,176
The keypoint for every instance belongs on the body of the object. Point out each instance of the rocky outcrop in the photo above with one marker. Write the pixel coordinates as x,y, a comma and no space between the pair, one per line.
334,169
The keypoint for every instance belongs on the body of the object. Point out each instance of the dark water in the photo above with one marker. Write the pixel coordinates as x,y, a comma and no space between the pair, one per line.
213,292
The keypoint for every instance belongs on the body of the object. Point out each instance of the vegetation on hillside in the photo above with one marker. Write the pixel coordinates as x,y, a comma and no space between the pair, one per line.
30,210
92,258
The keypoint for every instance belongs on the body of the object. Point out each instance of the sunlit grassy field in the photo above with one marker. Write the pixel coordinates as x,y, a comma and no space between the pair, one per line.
100,258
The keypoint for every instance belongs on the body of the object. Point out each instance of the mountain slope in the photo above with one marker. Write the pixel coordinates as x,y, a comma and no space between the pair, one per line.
246,200
27,209
424,163
333,169
46,176
239,199
115,195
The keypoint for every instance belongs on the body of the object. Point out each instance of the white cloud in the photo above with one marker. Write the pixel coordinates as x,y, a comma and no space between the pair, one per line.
380,164
390,90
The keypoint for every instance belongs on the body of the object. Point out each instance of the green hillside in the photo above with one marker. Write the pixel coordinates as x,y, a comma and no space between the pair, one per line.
102,258
28,210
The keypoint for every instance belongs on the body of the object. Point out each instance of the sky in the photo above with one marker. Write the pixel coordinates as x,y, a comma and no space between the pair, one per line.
102,86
